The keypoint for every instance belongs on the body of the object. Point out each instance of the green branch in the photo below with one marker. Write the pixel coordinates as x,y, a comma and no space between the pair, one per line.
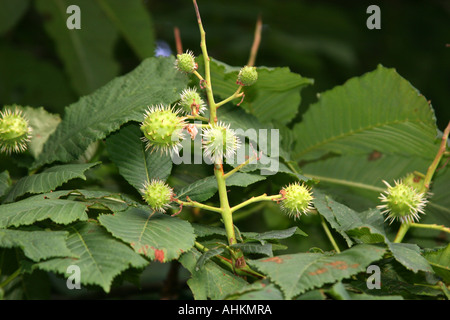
190,203
235,95
263,197
437,159
207,79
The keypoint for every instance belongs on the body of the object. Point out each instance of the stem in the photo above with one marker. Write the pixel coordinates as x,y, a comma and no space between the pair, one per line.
196,204
228,174
256,42
263,197
224,205
10,278
201,125
176,33
404,227
235,95
438,158
245,271
329,235
431,226
198,75
197,117
208,87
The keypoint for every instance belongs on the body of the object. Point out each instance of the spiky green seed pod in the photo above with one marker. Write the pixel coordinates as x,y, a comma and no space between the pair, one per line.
15,133
185,62
219,141
247,76
163,129
191,102
296,199
157,194
402,202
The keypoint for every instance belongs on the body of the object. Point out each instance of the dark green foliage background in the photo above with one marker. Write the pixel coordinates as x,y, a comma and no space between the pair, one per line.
323,40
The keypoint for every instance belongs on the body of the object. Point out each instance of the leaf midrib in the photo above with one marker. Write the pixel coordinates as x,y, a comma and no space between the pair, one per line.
90,254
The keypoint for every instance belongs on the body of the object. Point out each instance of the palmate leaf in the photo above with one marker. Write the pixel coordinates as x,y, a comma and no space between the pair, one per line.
48,180
157,236
297,273
123,99
36,245
38,208
101,257
377,111
136,164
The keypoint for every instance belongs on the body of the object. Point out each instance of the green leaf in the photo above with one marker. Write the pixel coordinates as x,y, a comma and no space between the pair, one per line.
367,227
208,255
28,211
211,281
439,259
5,182
48,180
257,291
377,111
205,188
274,97
101,257
87,53
254,247
357,179
273,234
36,245
409,256
296,273
43,124
340,217
157,236
133,21
135,164
123,99
340,292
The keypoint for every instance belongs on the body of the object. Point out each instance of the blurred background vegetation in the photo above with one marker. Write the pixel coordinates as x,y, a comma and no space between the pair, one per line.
42,63
324,40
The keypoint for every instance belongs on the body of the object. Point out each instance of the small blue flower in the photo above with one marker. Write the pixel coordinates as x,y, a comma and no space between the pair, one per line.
162,49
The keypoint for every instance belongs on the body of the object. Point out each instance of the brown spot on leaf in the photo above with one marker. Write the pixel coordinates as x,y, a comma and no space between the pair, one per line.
374,155
318,271
341,265
273,259
159,254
